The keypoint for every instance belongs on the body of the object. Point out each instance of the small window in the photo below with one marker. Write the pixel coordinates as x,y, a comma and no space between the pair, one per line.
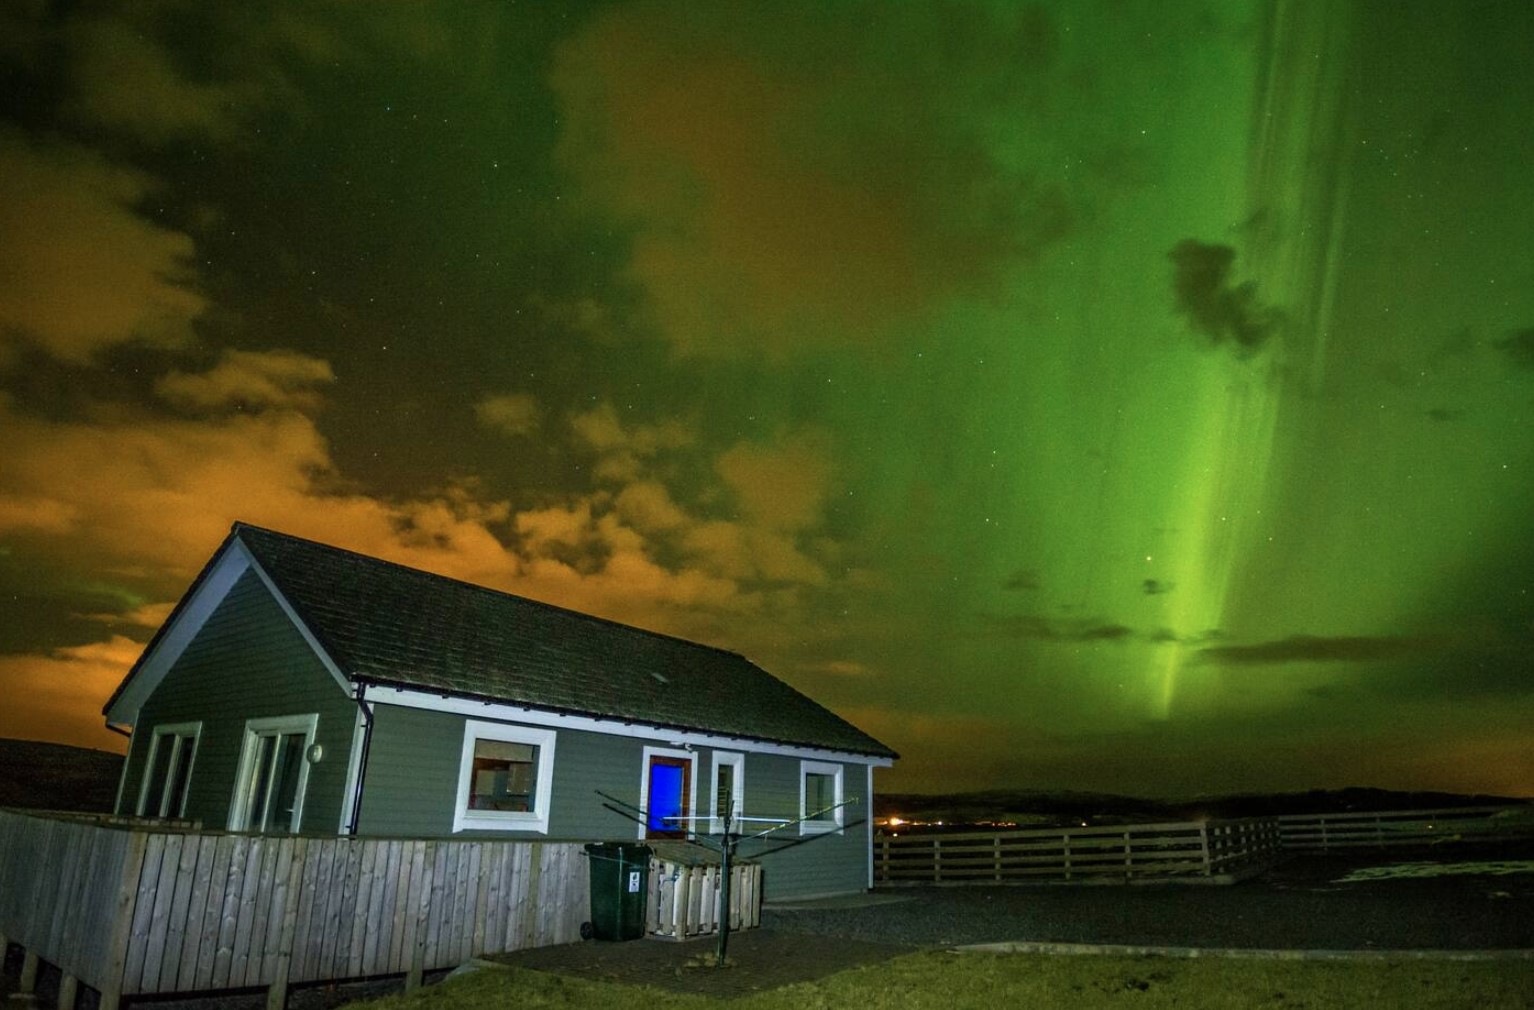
505,778
729,790
820,797
168,771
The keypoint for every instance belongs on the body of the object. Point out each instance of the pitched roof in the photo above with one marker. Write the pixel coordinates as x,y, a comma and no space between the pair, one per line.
385,623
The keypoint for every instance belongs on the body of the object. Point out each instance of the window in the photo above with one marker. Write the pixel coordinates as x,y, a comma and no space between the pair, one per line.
504,778
667,793
168,770
820,797
273,774
729,789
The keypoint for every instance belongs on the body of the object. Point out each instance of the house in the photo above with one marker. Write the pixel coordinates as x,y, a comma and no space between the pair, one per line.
298,687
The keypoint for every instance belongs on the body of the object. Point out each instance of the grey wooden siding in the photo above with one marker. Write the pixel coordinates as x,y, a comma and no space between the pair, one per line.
831,863
412,781
248,661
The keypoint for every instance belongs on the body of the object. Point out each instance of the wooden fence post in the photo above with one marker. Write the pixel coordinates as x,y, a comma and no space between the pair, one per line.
1203,838
937,859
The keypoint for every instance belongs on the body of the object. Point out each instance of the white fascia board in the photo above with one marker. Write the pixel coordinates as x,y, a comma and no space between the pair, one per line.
155,664
412,698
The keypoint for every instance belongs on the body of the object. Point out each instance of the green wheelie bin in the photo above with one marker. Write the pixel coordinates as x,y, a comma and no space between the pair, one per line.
620,872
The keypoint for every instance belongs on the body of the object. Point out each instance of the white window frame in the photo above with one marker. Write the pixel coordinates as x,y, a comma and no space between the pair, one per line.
838,774
736,761
689,756
180,732
244,781
537,819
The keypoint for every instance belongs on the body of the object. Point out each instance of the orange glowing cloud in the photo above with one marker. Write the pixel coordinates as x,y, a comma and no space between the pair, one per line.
58,695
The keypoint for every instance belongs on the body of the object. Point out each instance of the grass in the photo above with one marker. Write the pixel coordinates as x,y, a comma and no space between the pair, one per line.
938,979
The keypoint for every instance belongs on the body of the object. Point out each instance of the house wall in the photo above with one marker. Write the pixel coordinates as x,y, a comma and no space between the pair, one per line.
411,785
247,661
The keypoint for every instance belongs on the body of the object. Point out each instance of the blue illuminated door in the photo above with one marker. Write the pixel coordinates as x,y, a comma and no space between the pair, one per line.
667,811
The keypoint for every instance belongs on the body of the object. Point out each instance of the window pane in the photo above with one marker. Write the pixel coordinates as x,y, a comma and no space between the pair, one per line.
159,768
261,768
504,776
724,791
289,763
175,797
819,793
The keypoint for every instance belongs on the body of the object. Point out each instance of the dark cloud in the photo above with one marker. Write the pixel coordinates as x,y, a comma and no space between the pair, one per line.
1317,649
1156,587
1045,630
1519,348
1222,311
1444,414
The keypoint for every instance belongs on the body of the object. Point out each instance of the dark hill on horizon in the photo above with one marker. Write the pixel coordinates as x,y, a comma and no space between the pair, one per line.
36,775
1043,807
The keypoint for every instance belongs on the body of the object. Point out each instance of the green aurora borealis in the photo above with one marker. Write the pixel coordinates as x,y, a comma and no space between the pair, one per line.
1119,396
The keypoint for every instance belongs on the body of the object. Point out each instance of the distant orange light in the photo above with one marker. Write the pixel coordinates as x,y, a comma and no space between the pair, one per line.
895,822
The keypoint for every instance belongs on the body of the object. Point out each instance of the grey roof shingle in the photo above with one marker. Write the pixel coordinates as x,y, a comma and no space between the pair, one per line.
385,623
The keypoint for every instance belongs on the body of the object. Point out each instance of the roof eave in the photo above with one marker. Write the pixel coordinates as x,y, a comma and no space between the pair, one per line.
883,754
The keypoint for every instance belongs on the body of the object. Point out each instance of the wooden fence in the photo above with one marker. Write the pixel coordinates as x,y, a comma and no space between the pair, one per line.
1404,827
135,911
683,898
1192,850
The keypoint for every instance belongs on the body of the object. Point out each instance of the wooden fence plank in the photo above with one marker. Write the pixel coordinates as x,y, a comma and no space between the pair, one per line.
165,892
111,983
212,911
261,907
192,919
302,966
143,913
229,911
250,885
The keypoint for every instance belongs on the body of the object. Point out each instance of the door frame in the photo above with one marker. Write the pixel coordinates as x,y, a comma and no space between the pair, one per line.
671,754
244,780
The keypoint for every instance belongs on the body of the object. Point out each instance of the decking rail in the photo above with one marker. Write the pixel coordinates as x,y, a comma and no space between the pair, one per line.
133,911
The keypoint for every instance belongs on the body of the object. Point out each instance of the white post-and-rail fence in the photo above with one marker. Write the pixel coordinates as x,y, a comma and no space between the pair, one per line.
131,911
1314,832
1195,851
1192,850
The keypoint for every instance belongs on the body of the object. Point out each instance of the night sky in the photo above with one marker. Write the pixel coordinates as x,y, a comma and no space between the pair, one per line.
1122,396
